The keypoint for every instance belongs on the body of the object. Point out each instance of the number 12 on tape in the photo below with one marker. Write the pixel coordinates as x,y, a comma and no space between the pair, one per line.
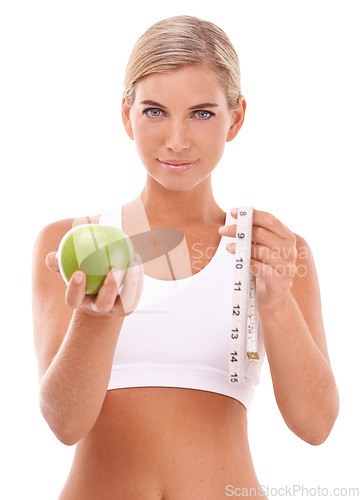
243,336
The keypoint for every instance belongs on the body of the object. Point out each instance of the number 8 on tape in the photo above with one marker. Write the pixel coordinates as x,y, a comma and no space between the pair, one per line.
243,335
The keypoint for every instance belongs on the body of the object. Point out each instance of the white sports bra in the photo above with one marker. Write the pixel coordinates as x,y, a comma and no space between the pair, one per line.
178,336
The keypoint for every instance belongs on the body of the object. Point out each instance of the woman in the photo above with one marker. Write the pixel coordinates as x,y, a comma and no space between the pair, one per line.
137,375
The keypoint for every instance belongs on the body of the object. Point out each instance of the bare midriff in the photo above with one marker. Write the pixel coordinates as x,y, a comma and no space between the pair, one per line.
163,443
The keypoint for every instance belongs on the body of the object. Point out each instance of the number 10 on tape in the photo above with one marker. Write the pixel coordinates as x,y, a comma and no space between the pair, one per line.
243,335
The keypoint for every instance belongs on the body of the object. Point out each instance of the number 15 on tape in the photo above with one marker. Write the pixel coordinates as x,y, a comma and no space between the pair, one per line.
243,335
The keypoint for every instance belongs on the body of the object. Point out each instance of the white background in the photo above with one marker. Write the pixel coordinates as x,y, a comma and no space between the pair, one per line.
65,153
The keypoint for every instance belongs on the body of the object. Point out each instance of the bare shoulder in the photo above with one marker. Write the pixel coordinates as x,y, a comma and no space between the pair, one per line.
49,237
306,292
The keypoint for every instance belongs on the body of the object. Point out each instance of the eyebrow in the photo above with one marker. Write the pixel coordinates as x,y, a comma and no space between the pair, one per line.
197,106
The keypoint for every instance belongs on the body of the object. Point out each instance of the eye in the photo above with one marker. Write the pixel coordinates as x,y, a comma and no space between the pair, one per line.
204,115
150,112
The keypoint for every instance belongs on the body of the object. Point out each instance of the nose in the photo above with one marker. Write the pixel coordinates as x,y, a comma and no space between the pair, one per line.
178,137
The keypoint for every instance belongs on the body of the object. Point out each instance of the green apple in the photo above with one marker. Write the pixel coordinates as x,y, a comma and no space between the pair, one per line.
94,249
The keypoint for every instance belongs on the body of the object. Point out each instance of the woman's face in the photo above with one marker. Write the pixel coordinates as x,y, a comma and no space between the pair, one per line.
181,116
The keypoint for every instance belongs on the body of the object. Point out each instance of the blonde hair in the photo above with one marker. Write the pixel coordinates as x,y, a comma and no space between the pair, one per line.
180,41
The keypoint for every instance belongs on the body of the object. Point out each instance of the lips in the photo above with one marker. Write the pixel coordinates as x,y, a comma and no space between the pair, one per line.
177,166
177,163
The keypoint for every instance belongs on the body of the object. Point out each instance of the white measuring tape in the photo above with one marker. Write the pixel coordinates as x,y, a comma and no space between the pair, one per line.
243,335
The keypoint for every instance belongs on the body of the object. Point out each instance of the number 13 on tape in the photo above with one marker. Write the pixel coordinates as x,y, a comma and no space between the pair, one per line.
243,335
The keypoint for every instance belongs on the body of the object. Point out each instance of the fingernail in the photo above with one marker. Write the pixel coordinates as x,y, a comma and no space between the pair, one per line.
78,278
229,246
57,256
223,229
233,211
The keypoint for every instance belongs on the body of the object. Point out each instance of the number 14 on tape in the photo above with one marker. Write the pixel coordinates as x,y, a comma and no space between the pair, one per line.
243,336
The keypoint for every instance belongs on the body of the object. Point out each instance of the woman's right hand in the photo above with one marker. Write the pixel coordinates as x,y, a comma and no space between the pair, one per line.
110,300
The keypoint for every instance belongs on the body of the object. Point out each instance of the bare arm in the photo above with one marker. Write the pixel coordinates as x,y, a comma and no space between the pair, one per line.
74,343
289,309
294,338
73,388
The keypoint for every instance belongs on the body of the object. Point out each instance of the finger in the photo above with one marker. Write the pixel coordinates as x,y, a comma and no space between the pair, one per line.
75,291
272,258
52,261
283,269
271,223
276,246
228,230
109,290
258,235
262,236
231,247
266,220
270,255
274,253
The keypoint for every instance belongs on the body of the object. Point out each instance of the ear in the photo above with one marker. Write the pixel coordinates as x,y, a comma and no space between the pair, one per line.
125,114
238,116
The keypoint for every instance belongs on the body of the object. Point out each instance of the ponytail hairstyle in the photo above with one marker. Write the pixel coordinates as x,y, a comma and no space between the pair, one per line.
181,41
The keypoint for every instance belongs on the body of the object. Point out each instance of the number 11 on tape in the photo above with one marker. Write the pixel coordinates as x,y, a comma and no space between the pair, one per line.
243,335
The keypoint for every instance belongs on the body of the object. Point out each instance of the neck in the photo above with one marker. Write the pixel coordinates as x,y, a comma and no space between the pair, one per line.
193,207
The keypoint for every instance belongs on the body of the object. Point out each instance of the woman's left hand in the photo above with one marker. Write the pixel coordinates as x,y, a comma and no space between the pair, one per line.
273,256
